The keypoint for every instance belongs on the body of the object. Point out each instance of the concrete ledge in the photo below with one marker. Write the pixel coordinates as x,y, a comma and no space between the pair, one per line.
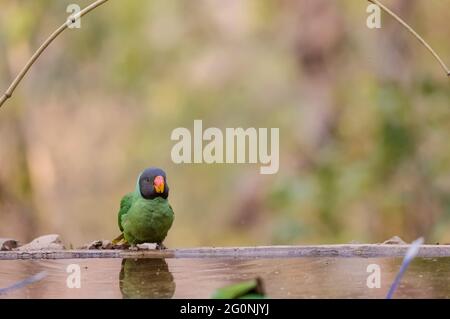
352,250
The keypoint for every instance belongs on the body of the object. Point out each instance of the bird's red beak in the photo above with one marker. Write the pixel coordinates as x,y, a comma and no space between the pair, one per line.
158,184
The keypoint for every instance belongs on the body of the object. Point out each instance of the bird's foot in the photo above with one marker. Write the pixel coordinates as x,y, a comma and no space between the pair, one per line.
160,246
122,244
118,240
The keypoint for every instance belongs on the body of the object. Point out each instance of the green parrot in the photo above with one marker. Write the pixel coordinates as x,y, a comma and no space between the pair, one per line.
145,215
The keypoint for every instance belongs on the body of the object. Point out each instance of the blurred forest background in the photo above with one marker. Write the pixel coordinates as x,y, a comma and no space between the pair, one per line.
364,118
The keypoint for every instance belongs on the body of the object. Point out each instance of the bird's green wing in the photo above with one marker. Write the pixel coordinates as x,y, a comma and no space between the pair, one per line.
125,205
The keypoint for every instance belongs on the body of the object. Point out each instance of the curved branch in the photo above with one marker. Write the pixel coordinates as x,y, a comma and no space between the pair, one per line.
42,48
411,30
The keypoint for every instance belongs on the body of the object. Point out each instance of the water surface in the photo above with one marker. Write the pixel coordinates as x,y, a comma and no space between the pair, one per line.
199,277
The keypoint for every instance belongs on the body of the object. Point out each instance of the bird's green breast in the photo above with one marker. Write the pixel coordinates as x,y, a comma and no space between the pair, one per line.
147,221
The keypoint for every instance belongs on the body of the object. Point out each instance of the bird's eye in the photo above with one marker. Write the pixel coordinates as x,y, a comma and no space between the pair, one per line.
147,180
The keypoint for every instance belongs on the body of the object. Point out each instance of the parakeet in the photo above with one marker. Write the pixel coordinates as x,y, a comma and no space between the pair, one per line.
145,215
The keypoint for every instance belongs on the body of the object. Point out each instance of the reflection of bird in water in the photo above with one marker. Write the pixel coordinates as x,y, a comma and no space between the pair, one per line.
146,278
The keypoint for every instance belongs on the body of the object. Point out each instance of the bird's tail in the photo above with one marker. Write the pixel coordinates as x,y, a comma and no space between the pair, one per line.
118,239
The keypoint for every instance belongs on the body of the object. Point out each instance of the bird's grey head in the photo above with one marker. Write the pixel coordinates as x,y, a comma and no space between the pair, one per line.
153,183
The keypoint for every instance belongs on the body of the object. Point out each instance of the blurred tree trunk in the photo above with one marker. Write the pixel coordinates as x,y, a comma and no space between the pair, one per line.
394,63
394,71
320,33
17,209
318,40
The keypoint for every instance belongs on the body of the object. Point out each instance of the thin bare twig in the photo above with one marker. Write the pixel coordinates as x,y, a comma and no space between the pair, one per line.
42,48
411,30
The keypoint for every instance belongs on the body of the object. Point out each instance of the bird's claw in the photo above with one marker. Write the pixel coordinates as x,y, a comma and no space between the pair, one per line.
122,244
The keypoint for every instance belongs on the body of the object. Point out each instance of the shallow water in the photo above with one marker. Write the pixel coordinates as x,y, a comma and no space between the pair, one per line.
198,278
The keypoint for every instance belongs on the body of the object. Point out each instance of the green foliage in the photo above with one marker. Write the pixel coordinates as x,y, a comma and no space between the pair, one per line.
251,289
363,147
